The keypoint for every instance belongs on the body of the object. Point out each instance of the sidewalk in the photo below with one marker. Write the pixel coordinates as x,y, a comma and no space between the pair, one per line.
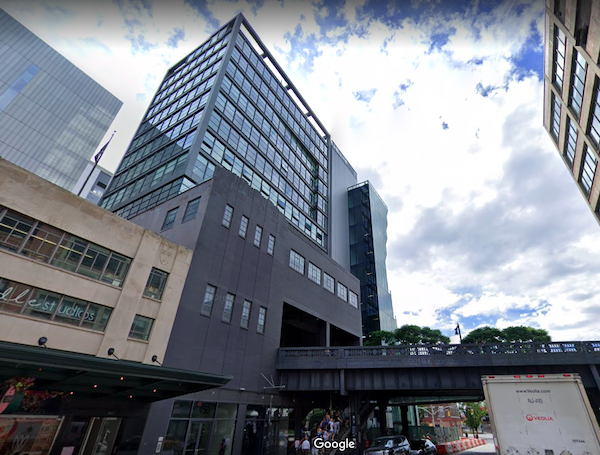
459,446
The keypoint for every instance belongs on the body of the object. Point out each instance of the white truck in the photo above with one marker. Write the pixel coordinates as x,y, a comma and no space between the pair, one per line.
541,414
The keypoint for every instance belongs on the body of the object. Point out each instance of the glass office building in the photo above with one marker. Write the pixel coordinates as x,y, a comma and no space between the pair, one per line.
52,115
368,238
225,105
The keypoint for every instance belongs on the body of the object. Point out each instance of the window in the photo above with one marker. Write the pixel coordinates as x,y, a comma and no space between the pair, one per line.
156,284
169,219
577,82
246,314
588,170
559,57
262,316
243,227
353,299
296,262
227,216
209,298
342,292
314,273
271,246
570,141
228,309
555,117
41,304
191,210
45,243
257,236
594,128
141,327
328,282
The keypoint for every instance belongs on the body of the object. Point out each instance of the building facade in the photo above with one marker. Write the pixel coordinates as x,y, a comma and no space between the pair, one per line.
99,294
572,90
256,284
52,115
92,183
368,253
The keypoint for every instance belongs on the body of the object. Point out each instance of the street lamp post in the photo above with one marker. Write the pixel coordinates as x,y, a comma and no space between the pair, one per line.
457,332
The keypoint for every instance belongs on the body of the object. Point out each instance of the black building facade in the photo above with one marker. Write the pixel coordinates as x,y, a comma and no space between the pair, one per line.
255,284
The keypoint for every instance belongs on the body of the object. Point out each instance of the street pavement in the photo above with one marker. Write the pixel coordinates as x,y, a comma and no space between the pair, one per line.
487,448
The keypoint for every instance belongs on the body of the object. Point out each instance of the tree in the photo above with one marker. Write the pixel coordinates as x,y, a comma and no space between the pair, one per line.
515,334
484,335
413,334
474,414
522,334
377,338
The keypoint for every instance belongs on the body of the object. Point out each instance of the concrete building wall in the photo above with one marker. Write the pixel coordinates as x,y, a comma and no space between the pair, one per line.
31,196
52,115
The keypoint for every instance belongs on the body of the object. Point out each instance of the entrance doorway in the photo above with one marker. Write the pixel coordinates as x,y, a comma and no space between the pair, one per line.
101,435
197,438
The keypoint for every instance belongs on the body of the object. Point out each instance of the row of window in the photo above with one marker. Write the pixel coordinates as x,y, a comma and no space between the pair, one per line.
149,180
187,70
236,165
297,263
208,304
243,230
156,197
308,131
191,209
191,103
42,242
576,89
23,299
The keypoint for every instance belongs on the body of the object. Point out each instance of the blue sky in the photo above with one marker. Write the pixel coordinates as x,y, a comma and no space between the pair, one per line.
437,103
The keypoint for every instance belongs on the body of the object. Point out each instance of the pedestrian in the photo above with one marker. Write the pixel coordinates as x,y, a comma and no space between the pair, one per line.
306,446
297,446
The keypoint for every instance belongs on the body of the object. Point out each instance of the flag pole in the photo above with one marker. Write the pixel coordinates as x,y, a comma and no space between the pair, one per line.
96,161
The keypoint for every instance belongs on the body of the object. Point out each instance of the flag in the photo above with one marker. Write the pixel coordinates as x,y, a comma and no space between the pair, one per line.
101,152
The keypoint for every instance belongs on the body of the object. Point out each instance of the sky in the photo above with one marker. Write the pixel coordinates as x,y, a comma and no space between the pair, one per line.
437,103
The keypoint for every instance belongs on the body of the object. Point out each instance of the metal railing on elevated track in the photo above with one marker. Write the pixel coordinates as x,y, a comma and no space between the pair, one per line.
563,347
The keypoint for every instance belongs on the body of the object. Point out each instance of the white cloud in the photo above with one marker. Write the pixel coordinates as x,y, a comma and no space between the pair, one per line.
484,218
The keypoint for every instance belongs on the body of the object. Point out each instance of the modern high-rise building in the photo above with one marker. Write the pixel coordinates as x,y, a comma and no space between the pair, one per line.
229,104
52,115
572,89
368,238
231,162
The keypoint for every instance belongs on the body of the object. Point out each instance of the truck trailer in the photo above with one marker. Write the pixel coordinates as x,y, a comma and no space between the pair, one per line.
545,414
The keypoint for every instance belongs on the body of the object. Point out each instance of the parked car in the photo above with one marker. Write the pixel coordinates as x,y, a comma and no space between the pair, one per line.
389,445
422,447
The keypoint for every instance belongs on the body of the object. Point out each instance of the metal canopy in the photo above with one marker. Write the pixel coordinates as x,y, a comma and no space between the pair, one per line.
90,377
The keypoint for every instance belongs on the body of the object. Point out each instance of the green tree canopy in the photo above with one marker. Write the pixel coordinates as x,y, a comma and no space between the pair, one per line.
474,414
407,334
516,334
377,338
484,335
521,334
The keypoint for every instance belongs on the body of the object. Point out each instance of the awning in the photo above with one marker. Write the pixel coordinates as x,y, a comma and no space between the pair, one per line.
87,376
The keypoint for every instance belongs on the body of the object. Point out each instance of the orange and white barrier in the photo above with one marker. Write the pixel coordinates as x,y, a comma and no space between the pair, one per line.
459,446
